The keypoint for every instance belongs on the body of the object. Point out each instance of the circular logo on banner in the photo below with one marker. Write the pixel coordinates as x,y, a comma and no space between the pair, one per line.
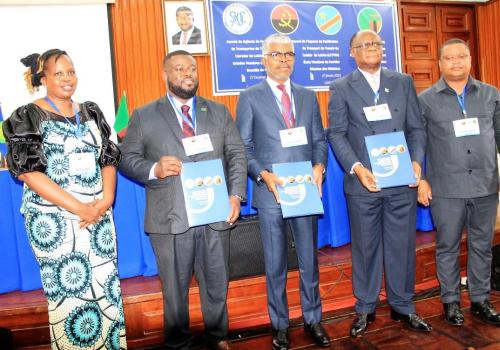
285,19
237,18
328,20
369,18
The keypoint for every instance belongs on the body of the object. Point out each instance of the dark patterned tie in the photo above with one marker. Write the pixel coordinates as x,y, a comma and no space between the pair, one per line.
187,129
287,111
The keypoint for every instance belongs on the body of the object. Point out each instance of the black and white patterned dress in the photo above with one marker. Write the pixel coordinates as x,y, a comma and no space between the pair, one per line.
78,267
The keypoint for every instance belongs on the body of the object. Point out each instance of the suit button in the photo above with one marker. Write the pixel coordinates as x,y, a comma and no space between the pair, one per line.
373,132
468,151
394,130
470,171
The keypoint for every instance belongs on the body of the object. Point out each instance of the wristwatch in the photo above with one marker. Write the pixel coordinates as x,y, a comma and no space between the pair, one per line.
240,198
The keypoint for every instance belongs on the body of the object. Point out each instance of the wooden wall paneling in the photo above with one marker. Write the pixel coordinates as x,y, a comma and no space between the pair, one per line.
420,47
456,19
138,45
419,43
323,98
417,18
488,39
424,74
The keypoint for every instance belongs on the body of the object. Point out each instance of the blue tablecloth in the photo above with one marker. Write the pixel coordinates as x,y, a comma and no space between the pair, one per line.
19,269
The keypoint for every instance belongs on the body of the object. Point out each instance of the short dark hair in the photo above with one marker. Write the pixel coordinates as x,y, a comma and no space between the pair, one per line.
175,53
452,41
183,9
36,67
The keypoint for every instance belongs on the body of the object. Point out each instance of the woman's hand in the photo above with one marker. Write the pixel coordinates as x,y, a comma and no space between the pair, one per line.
102,205
89,214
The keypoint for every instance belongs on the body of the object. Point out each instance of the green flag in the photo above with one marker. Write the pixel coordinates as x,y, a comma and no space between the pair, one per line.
2,138
121,119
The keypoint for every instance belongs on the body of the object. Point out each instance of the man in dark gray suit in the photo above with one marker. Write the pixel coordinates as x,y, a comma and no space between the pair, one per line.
263,111
383,222
153,154
462,117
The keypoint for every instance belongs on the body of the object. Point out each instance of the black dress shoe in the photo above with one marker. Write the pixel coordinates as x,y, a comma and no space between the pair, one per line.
360,323
452,314
485,312
318,333
412,321
280,339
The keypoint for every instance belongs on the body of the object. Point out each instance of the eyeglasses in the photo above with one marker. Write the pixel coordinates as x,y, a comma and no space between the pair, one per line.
368,44
449,59
279,56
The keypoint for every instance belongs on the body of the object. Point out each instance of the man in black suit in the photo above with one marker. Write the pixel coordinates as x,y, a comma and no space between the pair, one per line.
188,34
153,154
383,222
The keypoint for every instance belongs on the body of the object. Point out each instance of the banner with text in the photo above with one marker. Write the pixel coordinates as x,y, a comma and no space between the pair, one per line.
320,30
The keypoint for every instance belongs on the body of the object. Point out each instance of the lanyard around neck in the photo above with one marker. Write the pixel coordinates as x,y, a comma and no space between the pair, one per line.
461,101
376,97
191,122
77,116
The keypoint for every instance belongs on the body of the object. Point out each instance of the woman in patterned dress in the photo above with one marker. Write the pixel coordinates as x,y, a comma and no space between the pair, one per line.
61,151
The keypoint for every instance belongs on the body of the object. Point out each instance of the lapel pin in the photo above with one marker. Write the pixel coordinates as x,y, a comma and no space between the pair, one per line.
386,90
203,109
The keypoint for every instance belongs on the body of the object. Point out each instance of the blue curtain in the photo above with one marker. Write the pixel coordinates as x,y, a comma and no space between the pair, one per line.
19,269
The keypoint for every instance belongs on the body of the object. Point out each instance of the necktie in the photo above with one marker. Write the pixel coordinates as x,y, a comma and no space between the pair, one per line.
184,38
187,129
286,105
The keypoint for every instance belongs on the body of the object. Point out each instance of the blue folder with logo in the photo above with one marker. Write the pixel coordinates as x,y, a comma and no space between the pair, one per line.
205,192
390,159
299,196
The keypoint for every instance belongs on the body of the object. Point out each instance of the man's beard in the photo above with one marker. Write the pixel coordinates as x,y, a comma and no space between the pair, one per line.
178,91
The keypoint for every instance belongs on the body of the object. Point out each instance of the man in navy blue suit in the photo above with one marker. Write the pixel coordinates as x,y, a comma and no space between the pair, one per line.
383,222
263,111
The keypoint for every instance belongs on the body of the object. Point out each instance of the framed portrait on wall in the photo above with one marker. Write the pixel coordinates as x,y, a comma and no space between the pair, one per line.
185,26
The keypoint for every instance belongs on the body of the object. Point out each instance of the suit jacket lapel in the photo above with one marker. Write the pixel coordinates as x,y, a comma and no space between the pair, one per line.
269,99
202,125
361,87
298,100
387,86
168,114
201,117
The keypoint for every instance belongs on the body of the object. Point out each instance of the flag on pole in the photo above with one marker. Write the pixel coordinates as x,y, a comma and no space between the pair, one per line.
2,138
121,119
3,146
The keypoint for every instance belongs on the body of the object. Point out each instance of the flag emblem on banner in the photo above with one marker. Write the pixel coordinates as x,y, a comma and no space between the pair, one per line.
285,19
